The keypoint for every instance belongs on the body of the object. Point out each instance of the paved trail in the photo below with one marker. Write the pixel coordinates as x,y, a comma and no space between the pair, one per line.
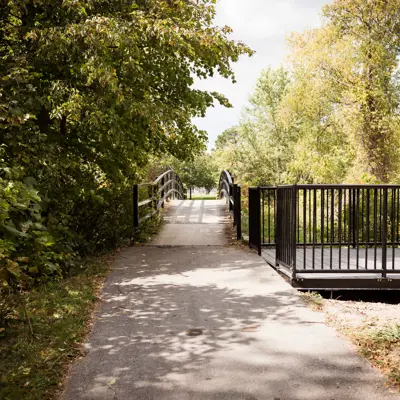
257,341
194,223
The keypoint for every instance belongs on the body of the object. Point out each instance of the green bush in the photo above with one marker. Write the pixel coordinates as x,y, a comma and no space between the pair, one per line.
26,245
89,92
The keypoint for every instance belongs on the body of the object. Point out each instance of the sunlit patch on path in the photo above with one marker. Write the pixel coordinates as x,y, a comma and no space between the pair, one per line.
212,322
194,223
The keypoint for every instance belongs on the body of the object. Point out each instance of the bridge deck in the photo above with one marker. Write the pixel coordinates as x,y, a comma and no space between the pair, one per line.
194,223
328,261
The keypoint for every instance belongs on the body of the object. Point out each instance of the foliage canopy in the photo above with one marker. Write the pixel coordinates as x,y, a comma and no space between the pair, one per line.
89,90
332,114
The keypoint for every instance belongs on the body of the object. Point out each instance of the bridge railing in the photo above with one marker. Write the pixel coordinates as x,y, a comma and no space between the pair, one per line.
149,198
329,230
232,193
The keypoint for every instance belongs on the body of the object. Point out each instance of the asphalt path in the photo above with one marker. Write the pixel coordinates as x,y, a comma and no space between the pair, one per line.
215,321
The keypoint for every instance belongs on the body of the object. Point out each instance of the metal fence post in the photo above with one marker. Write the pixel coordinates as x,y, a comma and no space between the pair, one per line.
234,204
278,225
231,194
238,205
353,204
135,195
255,219
173,185
162,191
293,230
150,192
384,231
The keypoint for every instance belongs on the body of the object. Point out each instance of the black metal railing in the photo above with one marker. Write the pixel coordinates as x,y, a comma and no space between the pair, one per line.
149,198
268,215
330,228
286,226
262,212
254,219
232,193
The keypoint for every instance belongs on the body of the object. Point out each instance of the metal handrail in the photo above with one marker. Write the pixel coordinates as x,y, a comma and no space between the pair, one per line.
225,186
232,193
166,186
329,228
335,186
168,195
229,177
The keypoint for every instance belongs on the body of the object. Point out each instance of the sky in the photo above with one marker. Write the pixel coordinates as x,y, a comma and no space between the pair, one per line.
264,26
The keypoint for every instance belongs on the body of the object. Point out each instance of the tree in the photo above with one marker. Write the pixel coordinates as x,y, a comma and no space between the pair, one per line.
201,172
337,118
345,87
313,108
373,28
88,91
257,151
227,138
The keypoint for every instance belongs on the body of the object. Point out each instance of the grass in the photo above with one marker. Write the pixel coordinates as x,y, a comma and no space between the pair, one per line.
377,342
32,367
314,300
149,228
245,222
382,347
205,197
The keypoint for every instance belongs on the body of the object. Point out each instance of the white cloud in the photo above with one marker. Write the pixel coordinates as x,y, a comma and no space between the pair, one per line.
258,19
263,25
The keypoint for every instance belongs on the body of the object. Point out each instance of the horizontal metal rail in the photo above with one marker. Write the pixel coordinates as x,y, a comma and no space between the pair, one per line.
346,271
148,216
166,186
167,196
335,186
145,202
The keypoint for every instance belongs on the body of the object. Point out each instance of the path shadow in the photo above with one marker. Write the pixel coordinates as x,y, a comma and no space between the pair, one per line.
255,342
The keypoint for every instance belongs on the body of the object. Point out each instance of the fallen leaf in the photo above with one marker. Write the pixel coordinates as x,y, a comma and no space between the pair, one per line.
251,328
